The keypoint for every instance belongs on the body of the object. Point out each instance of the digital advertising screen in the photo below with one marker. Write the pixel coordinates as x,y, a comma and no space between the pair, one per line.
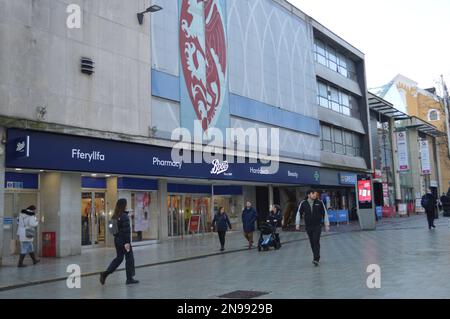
365,192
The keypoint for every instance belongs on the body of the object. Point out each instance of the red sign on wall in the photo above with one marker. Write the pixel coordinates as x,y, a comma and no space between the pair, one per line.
364,191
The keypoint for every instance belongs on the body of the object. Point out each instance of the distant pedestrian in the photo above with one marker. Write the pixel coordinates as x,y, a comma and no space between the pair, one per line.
315,214
275,218
27,223
221,223
429,204
122,241
249,217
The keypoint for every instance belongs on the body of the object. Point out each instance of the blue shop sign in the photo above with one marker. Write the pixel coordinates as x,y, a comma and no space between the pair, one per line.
84,154
347,178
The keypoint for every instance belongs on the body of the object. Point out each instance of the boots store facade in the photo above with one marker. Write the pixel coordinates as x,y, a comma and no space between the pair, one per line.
75,181
244,65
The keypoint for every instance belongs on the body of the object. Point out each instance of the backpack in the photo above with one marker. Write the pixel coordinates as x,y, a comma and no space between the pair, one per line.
113,226
425,201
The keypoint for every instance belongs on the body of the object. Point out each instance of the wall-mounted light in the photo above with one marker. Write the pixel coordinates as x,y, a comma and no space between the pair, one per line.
153,8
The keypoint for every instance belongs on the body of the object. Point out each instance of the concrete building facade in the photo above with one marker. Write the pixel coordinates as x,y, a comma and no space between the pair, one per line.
73,142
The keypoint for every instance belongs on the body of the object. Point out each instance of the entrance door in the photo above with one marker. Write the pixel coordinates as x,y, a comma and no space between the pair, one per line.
262,202
93,218
14,203
175,216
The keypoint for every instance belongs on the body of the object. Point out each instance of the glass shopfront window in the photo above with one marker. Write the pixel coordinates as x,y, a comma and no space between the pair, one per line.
144,216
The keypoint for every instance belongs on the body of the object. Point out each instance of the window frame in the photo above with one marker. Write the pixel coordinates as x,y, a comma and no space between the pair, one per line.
438,115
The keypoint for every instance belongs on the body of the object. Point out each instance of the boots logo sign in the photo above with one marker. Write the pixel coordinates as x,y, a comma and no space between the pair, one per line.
23,146
219,167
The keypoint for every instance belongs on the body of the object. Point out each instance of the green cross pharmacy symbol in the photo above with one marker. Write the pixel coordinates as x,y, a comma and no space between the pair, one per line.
316,176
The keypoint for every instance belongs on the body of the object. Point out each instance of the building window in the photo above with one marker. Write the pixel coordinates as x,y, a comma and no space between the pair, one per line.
345,103
332,59
433,115
321,55
342,65
322,94
349,149
328,56
339,141
332,98
327,141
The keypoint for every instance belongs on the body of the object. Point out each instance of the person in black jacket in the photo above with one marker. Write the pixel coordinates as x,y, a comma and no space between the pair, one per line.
429,204
315,214
122,241
221,222
275,216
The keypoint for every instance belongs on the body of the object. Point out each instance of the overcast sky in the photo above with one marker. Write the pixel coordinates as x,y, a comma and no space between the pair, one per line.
411,37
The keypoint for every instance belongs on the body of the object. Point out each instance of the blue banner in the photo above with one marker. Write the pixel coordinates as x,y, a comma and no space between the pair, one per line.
50,151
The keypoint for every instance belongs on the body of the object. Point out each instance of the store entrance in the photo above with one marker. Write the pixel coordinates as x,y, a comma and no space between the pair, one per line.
175,216
93,218
182,208
14,203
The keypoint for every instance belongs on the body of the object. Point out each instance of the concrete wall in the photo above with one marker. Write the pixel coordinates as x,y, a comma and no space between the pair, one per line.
2,191
40,64
61,208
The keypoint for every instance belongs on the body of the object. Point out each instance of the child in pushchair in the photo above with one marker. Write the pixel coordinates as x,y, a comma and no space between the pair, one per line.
268,230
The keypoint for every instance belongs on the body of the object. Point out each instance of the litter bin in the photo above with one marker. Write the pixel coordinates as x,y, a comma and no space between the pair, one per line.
48,244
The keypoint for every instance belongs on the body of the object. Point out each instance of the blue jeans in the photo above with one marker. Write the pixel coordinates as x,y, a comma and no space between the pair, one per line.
26,247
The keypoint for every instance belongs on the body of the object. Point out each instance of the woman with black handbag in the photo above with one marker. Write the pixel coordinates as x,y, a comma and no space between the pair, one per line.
122,241
27,223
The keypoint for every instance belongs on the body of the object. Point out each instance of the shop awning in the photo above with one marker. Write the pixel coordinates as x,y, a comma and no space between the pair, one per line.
425,127
385,108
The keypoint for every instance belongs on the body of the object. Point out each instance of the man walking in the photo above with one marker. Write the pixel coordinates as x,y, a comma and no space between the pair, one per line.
315,214
429,204
249,217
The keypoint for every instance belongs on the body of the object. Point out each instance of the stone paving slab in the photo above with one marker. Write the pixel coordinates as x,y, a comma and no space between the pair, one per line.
414,262
95,260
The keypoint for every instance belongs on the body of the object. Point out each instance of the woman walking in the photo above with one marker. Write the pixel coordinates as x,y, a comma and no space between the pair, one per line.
27,223
122,241
221,222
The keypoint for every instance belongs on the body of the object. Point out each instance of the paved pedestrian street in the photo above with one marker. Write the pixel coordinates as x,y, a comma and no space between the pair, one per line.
414,263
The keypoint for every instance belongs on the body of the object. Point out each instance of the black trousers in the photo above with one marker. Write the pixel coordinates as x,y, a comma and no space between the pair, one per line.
222,237
314,239
121,254
430,218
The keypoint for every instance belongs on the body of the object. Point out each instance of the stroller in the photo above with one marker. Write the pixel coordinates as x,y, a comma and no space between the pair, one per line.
268,237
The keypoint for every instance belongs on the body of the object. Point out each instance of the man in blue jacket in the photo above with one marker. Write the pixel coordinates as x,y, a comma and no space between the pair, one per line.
249,217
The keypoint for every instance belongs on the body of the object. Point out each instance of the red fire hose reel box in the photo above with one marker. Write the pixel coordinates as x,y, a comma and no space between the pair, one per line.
48,244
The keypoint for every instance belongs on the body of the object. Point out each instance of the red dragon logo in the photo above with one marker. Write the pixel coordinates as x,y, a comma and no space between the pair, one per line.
204,57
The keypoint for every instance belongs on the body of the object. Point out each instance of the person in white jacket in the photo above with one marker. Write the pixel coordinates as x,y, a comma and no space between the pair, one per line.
27,223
